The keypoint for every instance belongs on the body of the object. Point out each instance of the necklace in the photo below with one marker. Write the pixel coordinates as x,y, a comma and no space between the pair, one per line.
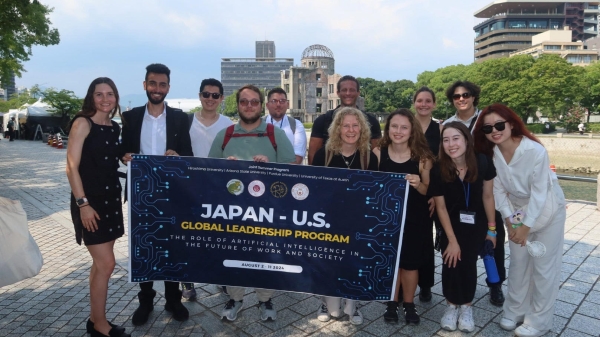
346,160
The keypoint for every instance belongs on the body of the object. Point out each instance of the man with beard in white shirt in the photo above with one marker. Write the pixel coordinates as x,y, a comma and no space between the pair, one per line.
277,105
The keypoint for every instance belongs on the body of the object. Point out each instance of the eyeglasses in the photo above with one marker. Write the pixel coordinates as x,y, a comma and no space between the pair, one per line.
487,129
464,95
280,101
245,102
206,94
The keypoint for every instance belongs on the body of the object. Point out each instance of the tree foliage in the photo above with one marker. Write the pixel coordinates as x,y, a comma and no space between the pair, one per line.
386,96
573,118
16,101
64,102
24,23
230,105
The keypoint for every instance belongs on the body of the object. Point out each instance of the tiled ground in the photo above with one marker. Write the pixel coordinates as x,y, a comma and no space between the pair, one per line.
56,303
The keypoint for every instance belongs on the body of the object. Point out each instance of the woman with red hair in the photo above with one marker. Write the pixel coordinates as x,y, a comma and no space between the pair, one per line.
525,183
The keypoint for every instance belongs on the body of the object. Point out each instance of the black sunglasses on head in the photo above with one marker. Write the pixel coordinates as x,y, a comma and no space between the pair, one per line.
206,94
487,129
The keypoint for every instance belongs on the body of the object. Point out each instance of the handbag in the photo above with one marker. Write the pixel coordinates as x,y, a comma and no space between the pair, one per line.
20,256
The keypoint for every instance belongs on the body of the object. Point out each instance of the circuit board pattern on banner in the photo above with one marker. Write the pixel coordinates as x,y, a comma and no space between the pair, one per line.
386,198
151,180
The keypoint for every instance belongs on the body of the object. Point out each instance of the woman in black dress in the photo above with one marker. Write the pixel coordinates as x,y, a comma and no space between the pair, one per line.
462,185
404,149
424,104
92,163
348,147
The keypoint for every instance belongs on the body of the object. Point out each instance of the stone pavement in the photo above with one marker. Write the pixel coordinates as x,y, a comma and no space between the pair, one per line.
56,302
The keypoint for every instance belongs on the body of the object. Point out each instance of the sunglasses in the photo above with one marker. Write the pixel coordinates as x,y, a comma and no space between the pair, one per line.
487,129
245,102
464,95
206,94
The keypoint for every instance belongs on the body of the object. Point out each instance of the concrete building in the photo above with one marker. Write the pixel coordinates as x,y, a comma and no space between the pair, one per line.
263,72
9,88
559,42
511,24
265,49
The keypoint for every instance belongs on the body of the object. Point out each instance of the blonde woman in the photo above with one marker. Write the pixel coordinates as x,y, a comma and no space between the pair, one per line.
349,147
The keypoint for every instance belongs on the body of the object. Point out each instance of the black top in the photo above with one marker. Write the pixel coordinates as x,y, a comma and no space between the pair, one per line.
340,161
455,192
432,134
322,123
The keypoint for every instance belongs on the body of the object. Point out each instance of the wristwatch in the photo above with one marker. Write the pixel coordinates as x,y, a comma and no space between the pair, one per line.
81,201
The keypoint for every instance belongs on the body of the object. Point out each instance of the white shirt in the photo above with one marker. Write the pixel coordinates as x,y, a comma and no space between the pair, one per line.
153,138
202,136
526,180
467,123
298,139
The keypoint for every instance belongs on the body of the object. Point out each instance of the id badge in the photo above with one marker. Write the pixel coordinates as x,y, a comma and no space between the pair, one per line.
467,217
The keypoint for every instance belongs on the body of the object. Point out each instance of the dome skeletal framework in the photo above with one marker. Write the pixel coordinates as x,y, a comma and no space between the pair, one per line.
317,50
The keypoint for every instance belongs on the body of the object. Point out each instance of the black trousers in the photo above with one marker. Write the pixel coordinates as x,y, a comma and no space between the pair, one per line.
499,250
427,269
172,292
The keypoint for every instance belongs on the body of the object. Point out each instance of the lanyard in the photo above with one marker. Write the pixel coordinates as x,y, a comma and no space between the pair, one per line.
280,124
467,193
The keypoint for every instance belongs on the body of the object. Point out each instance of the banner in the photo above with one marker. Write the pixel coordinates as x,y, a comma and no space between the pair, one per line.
324,231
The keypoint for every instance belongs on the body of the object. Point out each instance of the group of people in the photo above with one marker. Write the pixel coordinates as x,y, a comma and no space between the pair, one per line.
467,176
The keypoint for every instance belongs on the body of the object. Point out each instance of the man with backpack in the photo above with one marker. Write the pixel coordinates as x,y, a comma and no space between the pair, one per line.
251,139
348,91
277,105
11,129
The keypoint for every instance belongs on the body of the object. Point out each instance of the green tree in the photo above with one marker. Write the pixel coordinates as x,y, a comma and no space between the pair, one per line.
440,80
590,98
24,24
573,118
385,96
230,105
196,109
16,101
64,102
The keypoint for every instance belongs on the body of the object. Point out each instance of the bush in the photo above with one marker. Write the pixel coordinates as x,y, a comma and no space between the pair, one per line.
535,128
592,127
307,125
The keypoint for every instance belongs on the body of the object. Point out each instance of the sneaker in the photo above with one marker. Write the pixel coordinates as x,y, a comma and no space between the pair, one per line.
425,295
508,324
231,309
267,311
323,314
450,318
410,314
391,312
496,295
357,317
525,330
188,292
465,319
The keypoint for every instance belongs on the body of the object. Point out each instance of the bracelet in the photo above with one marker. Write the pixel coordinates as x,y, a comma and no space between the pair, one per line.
491,233
516,225
492,228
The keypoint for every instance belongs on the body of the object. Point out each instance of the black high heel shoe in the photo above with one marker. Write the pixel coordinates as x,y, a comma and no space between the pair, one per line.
114,332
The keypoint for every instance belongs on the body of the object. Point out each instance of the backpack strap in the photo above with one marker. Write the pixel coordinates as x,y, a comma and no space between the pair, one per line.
292,122
270,133
228,135
191,119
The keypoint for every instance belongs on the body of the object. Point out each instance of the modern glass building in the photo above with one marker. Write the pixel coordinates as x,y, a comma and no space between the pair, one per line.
264,73
511,24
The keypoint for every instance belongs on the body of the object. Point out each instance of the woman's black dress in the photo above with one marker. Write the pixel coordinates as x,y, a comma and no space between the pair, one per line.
340,161
98,171
417,223
459,283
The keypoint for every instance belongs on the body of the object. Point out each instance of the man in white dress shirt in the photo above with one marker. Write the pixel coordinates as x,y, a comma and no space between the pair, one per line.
277,105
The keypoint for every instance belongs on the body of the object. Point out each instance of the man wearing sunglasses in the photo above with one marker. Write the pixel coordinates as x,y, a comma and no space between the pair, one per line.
156,129
277,105
465,97
204,126
348,90
249,141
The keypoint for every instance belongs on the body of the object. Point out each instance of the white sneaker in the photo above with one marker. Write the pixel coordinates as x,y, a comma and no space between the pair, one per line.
231,309
450,317
323,314
357,317
525,330
508,324
465,320
267,310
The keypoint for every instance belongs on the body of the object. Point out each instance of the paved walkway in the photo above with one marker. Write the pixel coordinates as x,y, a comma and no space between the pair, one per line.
56,303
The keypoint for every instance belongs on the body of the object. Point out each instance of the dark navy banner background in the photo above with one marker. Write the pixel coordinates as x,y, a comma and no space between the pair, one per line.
324,231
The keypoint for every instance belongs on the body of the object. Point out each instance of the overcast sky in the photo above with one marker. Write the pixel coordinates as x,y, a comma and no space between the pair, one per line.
384,40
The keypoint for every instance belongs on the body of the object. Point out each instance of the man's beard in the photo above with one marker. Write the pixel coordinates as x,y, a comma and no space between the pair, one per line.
250,120
154,101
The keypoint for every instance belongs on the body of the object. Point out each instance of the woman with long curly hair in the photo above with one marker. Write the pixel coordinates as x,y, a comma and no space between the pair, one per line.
404,149
462,186
348,147
525,183
92,164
